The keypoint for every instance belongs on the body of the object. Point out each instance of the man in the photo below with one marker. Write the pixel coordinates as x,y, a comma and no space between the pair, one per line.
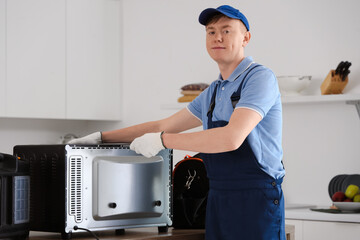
241,142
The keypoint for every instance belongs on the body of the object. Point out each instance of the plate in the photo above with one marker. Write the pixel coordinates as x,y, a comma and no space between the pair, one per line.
337,182
334,185
351,179
348,206
342,178
330,188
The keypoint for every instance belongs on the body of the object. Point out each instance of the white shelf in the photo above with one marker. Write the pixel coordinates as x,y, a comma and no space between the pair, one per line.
291,99
301,99
320,98
353,99
174,106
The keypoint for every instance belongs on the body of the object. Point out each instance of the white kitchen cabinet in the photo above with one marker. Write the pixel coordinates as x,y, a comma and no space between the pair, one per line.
93,59
330,230
315,230
2,56
298,228
35,59
60,59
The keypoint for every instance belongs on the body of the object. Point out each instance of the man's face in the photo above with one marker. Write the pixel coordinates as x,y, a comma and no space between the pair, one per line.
226,39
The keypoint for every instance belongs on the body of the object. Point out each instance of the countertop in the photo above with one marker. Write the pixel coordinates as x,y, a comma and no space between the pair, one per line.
150,233
307,214
143,233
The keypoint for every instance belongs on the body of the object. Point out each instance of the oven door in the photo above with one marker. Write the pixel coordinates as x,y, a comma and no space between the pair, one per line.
112,187
128,187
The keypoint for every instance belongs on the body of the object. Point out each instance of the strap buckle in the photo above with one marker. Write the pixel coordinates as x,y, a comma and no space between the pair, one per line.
190,179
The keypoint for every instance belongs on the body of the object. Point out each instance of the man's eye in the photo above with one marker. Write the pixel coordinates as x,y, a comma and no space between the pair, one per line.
211,33
226,31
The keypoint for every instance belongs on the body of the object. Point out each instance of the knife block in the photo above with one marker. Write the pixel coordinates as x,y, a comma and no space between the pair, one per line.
333,84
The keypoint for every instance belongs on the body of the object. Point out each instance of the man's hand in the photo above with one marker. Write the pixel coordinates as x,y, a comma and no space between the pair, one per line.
148,145
94,138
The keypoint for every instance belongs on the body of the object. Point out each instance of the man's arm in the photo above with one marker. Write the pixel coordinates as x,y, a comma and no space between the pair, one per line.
181,121
216,140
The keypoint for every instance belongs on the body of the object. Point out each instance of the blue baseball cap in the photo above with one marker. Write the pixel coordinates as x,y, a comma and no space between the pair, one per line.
227,11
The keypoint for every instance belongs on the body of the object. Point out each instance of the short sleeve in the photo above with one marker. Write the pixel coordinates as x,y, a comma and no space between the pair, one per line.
199,106
195,107
260,91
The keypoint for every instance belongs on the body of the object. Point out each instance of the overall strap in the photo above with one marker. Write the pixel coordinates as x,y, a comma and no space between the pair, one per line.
212,102
235,97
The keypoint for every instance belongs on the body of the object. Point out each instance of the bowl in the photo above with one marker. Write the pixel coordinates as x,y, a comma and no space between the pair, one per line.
293,85
348,206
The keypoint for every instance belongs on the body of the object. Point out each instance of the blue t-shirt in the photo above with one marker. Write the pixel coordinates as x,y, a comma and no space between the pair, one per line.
260,92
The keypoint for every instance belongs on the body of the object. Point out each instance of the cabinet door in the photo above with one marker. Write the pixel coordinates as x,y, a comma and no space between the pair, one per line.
35,39
298,228
330,230
93,59
2,58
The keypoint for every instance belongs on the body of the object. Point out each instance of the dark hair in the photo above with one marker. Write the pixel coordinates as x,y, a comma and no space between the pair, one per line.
214,18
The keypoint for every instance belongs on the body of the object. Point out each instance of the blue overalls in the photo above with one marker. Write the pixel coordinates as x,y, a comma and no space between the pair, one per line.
244,202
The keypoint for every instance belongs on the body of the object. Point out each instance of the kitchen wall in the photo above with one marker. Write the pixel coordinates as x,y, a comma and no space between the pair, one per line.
165,45
41,131
164,49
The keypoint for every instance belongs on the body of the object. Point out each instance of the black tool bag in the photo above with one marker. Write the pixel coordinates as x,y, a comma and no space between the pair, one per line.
190,192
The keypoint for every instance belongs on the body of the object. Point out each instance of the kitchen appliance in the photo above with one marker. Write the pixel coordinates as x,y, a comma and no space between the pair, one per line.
14,197
97,187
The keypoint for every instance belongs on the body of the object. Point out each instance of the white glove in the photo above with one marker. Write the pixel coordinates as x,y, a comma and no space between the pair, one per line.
148,145
94,138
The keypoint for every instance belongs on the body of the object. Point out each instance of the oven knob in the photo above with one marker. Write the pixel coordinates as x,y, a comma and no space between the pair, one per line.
157,203
112,205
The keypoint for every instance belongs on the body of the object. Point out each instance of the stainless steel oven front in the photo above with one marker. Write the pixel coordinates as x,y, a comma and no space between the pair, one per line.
101,187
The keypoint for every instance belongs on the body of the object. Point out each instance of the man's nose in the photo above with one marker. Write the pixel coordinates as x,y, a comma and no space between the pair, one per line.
218,37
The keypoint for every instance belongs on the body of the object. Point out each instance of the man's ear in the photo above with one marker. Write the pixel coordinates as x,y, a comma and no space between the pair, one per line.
247,37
